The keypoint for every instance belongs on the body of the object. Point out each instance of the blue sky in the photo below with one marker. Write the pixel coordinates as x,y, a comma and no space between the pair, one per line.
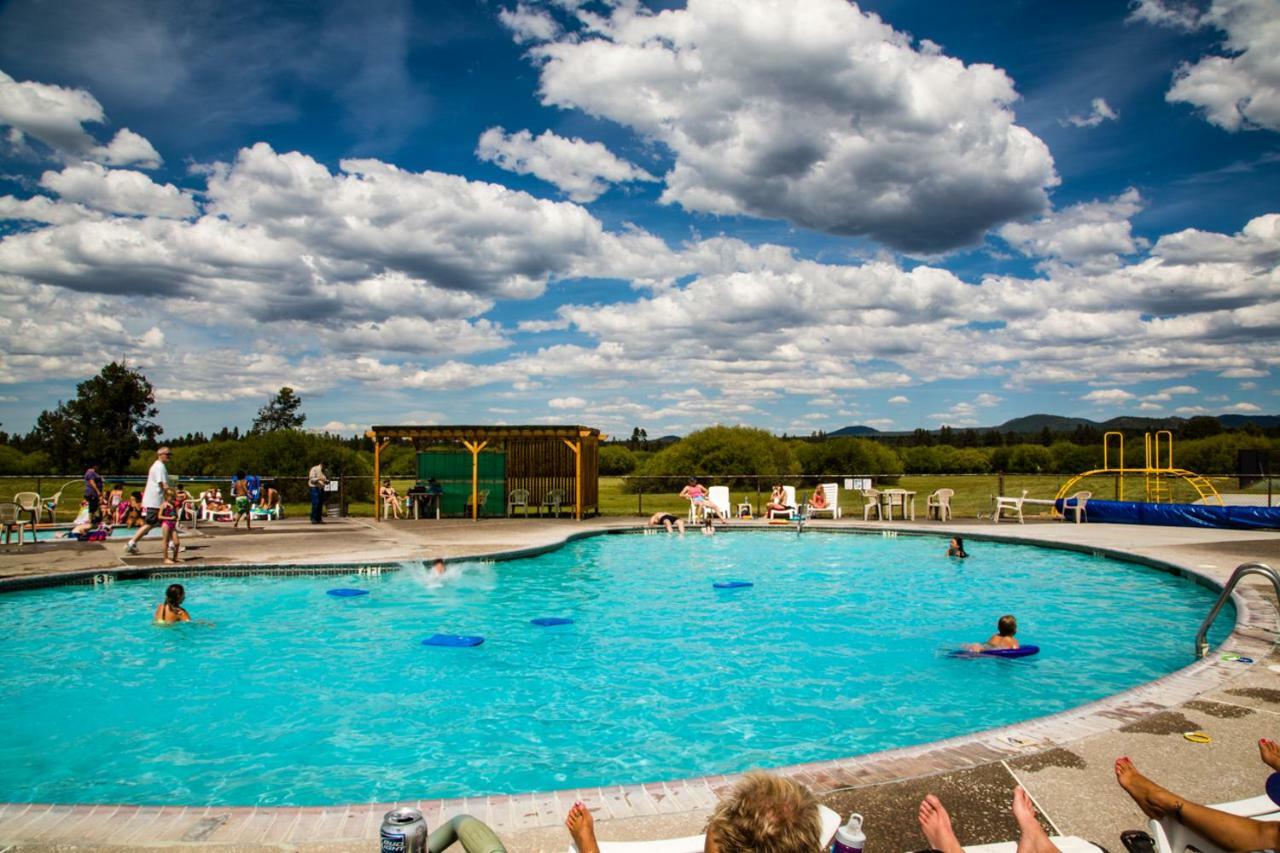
794,214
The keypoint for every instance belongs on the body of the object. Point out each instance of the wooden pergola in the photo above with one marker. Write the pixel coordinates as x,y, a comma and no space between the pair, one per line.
540,459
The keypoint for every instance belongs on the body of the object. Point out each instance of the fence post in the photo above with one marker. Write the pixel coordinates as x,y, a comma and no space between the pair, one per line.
640,499
757,495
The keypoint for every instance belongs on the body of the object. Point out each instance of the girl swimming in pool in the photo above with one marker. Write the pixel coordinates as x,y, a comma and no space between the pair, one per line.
956,548
171,609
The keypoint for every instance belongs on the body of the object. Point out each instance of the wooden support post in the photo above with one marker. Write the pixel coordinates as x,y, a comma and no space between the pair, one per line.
576,447
475,475
377,477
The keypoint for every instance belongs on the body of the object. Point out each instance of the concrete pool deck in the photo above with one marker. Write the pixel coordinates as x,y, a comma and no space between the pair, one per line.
1064,761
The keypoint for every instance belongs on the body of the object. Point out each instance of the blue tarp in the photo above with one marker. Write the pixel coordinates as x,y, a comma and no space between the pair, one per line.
1181,515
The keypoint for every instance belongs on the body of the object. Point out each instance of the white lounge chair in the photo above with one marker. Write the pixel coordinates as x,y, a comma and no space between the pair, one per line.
872,498
831,491
939,504
695,843
789,500
1076,504
1171,836
718,497
1004,502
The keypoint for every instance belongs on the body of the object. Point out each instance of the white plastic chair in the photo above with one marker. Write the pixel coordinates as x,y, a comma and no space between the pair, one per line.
1004,502
831,491
718,496
939,504
695,843
30,503
518,497
872,498
789,500
1078,507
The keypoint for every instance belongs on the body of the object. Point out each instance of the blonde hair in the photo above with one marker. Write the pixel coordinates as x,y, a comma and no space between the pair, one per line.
766,814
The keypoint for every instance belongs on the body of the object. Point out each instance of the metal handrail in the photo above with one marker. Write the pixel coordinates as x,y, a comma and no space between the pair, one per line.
1202,645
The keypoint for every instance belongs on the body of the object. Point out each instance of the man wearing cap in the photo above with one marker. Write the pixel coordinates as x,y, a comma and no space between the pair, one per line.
152,498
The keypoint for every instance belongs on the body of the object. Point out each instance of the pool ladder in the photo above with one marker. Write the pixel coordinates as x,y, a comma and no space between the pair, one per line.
1242,570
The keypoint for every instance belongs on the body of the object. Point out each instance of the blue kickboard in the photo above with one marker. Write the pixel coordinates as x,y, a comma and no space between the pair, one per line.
452,640
347,592
548,621
732,584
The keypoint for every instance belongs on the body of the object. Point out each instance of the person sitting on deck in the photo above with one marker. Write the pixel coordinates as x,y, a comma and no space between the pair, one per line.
390,498
777,500
819,499
935,823
762,814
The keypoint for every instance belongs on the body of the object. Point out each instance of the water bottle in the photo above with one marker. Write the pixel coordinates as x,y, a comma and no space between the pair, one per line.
403,831
849,838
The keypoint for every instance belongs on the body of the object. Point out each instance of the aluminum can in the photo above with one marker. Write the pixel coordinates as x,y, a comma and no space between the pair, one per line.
404,831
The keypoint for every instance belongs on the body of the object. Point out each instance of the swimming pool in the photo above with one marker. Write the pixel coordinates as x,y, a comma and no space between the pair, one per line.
59,533
293,697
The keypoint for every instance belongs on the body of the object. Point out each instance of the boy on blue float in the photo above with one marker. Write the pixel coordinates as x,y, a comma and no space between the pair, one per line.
1003,638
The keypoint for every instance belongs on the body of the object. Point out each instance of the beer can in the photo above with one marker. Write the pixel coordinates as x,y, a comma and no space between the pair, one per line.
404,831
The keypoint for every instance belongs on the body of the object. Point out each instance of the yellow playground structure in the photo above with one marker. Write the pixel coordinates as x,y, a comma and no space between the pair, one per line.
1156,478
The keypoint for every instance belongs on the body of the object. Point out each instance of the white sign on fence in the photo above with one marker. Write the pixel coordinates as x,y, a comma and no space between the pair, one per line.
856,484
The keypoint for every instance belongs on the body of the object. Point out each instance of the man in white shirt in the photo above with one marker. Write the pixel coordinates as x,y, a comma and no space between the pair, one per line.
317,481
152,498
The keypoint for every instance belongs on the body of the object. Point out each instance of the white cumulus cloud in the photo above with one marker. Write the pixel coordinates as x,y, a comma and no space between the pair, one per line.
1108,396
1094,234
118,191
582,170
56,115
811,111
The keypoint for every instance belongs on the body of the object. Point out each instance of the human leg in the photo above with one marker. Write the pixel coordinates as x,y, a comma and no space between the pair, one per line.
1228,831
316,496
582,828
1033,838
935,823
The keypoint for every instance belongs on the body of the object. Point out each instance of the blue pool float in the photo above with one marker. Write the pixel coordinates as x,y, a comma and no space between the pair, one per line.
347,592
732,584
548,621
1019,652
452,640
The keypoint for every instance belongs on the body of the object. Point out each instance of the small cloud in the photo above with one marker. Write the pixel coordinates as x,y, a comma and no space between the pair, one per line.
1190,410
1147,406
987,400
8,399
1107,396
1244,407
542,325
567,403
341,427
1181,389
1100,111
899,400
1248,386
1243,373
880,423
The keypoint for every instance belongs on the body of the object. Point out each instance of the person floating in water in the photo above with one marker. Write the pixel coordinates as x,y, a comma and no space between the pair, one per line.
956,548
666,519
171,609
437,568
1003,638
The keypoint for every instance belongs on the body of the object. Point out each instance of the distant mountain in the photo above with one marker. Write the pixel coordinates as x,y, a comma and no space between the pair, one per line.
859,431
1037,423
1236,421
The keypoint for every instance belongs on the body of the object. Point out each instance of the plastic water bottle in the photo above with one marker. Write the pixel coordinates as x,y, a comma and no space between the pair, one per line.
849,838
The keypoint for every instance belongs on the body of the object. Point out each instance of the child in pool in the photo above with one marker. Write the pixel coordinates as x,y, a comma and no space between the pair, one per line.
1003,638
171,609
437,568
169,525
956,548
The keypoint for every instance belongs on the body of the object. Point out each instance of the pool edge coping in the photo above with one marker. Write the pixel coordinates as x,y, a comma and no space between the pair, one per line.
1254,634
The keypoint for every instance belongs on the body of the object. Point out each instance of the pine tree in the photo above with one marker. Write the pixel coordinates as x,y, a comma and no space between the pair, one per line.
280,412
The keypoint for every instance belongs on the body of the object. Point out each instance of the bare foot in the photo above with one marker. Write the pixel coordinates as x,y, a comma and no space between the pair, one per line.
1154,801
169,561
1270,752
935,823
582,829
1033,839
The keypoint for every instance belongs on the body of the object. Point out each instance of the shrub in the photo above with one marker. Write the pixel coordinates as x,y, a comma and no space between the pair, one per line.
616,459
716,452
847,455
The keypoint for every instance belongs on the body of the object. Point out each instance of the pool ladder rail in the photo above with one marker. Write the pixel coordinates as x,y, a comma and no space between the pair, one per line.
1242,571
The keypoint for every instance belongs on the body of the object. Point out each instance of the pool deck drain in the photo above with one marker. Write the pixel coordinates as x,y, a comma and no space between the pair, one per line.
1063,760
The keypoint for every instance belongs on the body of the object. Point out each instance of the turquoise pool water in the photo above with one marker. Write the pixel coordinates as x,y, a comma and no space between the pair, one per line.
59,534
293,697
